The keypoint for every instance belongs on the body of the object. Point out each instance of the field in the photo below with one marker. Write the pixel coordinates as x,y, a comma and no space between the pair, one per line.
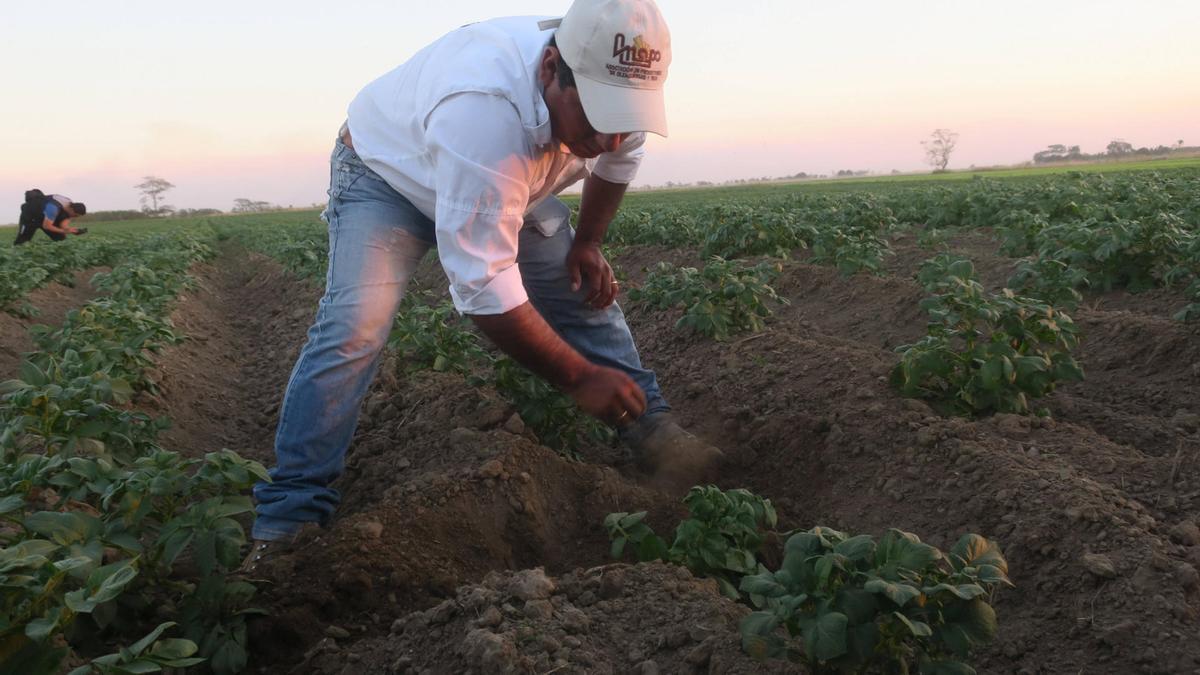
853,351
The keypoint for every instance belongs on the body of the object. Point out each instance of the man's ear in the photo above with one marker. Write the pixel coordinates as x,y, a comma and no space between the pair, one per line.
548,67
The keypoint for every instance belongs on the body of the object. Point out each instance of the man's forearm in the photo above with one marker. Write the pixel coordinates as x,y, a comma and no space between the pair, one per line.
597,207
49,226
524,335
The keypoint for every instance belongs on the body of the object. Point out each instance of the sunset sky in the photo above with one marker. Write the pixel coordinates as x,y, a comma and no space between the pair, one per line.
242,99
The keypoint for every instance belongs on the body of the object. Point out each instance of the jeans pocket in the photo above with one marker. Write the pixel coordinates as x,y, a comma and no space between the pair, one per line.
549,216
345,173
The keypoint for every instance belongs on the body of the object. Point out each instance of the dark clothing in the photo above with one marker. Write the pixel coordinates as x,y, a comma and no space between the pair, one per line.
54,209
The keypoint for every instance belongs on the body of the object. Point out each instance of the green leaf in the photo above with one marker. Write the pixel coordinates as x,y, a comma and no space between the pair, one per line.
973,550
804,543
113,579
140,646
758,635
28,548
991,375
11,503
860,548
173,648
139,666
40,629
827,565
903,550
963,591
859,605
967,625
763,584
31,374
917,628
652,547
228,658
612,519
74,562
104,584
727,588
898,592
989,574
827,638
64,528
204,550
234,505
618,548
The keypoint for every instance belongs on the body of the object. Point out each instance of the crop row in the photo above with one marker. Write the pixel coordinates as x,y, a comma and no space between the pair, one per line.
984,352
1076,231
24,268
104,532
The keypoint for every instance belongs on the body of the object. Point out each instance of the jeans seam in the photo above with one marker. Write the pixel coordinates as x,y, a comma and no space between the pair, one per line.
318,321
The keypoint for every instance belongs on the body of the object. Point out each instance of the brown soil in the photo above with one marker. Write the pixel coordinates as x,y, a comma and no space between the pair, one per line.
446,497
244,326
611,619
53,301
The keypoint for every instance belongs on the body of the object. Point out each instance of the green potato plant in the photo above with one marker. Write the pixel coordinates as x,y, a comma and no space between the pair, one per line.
984,352
850,604
837,603
721,539
552,415
94,516
1052,281
725,297
435,337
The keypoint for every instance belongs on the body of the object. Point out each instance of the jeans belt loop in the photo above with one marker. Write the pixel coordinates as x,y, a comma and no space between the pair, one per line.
344,134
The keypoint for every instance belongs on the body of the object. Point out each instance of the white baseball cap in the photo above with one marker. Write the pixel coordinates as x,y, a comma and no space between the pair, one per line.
619,51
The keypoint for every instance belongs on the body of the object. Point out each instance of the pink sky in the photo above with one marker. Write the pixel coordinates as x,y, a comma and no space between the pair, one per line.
230,100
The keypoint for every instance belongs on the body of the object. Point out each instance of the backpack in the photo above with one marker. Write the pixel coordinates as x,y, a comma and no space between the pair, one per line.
34,208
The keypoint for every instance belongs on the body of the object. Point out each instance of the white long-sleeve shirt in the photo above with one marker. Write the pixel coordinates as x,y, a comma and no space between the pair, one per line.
462,130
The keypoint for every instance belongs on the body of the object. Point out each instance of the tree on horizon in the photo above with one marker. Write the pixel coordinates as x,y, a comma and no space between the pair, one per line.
938,148
152,187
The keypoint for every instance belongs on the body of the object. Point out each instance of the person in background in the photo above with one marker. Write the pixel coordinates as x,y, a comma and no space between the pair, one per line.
51,214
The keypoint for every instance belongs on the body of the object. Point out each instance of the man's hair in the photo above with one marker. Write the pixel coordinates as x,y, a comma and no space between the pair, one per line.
79,208
562,72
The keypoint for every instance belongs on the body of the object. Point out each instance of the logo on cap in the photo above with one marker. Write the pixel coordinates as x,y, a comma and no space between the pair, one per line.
637,54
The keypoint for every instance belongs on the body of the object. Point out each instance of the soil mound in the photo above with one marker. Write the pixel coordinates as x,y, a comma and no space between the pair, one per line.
647,618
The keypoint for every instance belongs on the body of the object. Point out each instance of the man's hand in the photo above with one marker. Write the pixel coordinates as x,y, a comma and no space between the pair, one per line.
609,395
523,334
586,265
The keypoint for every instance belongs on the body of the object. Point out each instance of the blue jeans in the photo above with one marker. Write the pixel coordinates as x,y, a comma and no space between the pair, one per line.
376,240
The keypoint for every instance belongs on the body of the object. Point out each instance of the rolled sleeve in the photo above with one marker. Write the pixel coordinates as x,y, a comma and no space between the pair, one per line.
504,292
482,186
621,165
